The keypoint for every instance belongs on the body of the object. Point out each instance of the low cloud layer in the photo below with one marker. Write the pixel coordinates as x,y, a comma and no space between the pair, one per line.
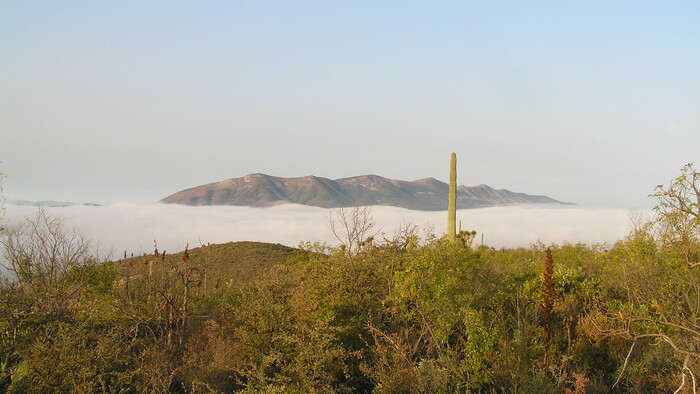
132,228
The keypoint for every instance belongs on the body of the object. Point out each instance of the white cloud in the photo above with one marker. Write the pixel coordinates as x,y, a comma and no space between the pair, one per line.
133,227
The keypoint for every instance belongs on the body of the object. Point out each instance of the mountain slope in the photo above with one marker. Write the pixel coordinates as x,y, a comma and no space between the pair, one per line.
260,190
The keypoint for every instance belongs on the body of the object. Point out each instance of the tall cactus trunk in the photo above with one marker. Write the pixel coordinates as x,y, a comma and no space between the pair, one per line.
452,201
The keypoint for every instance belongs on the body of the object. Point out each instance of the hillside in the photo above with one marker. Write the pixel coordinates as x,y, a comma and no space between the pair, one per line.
232,262
429,194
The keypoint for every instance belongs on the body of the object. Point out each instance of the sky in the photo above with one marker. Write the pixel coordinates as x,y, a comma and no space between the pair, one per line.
592,102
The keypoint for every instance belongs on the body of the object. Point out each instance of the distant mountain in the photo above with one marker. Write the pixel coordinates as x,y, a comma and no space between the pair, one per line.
49,203
429,194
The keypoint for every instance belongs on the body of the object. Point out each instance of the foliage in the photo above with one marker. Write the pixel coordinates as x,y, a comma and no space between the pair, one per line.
678,214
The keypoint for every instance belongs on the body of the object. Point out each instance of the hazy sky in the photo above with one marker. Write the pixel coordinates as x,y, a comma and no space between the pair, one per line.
592,102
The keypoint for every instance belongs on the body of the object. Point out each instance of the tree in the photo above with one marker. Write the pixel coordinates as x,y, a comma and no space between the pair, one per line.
44,309
352,227
661,285
678,213
46,259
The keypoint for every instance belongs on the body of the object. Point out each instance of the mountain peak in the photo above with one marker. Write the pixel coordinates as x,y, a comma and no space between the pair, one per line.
427,194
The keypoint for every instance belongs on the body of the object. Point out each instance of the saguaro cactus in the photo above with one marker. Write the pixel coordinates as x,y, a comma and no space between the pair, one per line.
452,201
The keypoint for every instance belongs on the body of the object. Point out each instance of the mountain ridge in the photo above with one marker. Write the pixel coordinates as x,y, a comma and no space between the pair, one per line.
427,194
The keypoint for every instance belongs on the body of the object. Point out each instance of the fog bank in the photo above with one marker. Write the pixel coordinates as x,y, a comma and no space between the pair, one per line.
132,228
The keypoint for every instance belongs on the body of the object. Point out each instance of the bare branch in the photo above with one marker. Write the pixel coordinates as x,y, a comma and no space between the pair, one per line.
352,227
47,258
624,365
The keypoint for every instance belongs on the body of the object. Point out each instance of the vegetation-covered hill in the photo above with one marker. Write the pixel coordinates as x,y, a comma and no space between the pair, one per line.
260,190
232,262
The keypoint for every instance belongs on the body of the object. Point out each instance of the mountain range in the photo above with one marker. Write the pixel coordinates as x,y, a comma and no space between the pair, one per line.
49,203
429,194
